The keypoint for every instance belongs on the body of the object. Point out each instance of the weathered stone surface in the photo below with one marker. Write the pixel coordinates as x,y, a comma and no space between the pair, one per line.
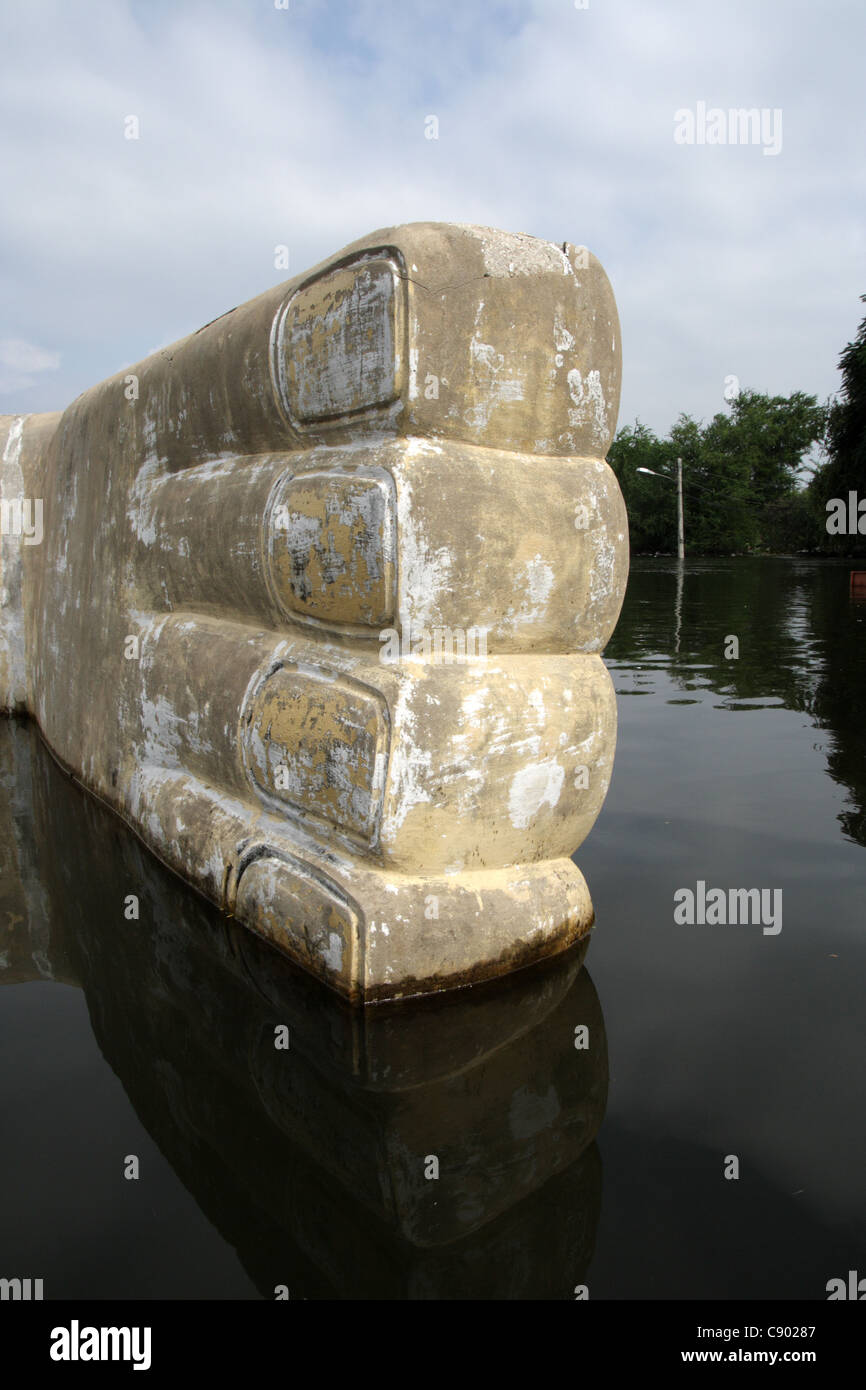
320,598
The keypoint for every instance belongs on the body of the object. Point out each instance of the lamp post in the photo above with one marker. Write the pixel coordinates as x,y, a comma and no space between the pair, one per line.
681,544
681,535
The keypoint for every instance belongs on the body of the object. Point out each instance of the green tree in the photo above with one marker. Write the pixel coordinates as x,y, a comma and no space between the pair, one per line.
742,477
717,519
651,504
845,468
758,451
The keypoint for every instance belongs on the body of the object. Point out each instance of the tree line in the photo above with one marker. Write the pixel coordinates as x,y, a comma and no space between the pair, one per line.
757,478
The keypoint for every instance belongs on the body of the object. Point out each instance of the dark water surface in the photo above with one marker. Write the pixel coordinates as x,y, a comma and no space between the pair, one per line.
558,1166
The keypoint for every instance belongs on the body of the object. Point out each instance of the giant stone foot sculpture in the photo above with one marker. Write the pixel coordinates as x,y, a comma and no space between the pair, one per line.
319,595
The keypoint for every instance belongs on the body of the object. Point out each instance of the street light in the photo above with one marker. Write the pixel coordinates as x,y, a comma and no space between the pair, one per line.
681,538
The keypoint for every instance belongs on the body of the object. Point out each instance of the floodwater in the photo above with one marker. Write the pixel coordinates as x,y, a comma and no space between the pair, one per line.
708,1142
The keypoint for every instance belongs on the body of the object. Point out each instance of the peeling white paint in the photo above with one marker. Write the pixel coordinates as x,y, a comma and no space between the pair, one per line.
563,339
425,569
410,766
532,787
534,582
590,407
515,253
333,957
493,386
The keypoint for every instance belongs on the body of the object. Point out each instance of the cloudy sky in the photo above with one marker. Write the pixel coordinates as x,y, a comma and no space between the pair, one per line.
305,127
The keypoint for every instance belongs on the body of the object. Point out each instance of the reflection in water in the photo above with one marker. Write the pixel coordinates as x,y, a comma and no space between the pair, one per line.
311,1161
678,605
802,646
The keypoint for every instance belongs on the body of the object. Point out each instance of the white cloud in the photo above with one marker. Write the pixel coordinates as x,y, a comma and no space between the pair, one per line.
305,127
20,362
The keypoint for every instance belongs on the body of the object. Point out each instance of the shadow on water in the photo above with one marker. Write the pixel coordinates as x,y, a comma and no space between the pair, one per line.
310,1161
802,647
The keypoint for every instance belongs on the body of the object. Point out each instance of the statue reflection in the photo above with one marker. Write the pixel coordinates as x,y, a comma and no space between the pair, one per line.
311,1133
